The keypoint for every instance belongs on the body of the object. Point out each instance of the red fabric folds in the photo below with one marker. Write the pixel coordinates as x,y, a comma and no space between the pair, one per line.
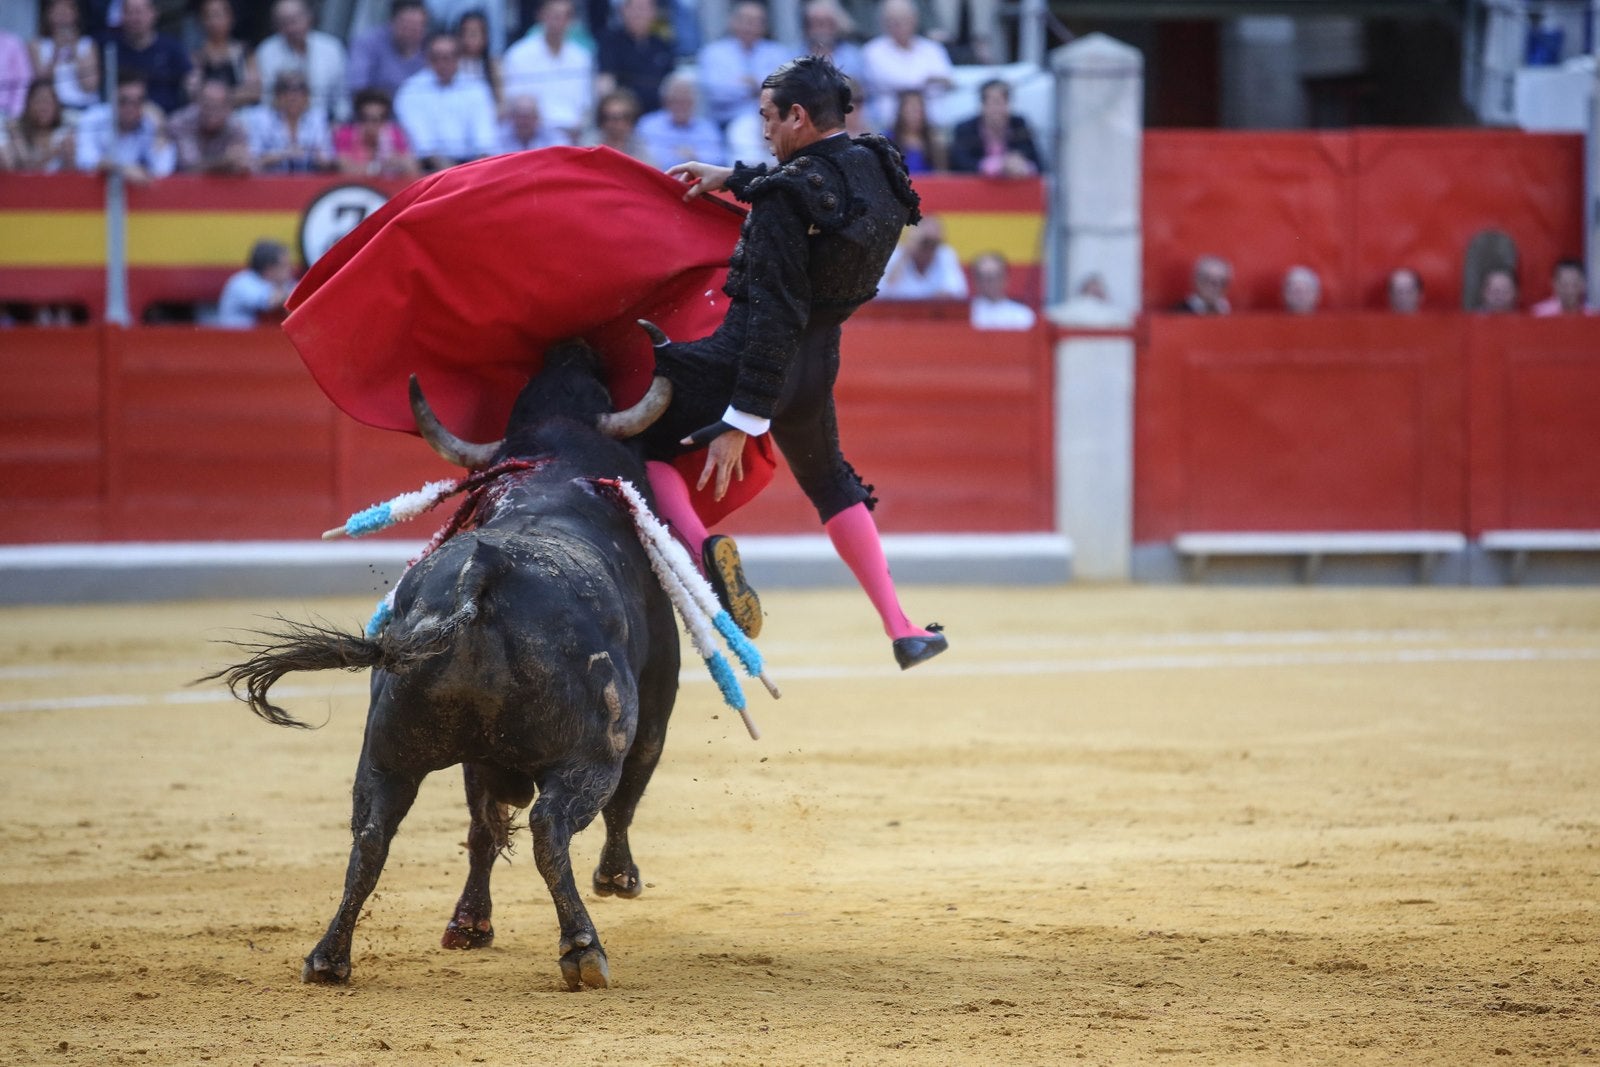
465,277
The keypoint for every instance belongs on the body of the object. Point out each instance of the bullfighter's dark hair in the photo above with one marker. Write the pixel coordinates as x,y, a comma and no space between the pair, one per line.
983,90
815,84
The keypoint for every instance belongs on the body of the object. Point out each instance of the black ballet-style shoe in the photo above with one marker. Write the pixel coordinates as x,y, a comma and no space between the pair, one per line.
910,651
726,575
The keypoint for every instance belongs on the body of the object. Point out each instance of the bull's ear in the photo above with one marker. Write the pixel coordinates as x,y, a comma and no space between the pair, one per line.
638,418
450,447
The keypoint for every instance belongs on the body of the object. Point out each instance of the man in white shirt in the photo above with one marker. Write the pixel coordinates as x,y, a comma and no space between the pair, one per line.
923,267
900,60
449,119
992,309
553,69
259,289
319,56
732,67
128,136
523,128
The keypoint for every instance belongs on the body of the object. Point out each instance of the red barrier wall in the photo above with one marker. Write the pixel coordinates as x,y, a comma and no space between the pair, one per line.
1534,408
1366,422
1353,206
179,433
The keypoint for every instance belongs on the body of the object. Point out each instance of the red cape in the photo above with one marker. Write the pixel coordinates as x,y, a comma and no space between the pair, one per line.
465,277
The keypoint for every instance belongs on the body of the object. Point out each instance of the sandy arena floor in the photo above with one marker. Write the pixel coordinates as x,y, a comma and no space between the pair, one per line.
1112,826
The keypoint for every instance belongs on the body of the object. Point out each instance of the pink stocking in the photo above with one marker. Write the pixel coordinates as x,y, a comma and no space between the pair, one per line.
855,538
672,498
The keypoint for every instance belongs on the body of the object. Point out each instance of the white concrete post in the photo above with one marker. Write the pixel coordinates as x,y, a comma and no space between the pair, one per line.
1095,209
1097,231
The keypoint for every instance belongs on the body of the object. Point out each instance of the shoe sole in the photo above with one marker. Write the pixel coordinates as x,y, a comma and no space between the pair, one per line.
727,578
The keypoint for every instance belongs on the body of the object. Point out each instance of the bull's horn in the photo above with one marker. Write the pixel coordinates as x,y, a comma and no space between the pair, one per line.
448,445
638,418
657,337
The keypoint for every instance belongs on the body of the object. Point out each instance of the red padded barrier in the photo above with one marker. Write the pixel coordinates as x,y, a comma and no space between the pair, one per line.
1275,423
1353,206
214,434
1421,195
1263,201
1535,417
52,445
952,425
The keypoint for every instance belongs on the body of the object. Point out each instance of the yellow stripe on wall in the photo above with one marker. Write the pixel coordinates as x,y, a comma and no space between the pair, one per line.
204,238
52,238
1019,237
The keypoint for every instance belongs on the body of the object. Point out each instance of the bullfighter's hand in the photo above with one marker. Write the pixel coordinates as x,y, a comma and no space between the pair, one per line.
725,459
702,177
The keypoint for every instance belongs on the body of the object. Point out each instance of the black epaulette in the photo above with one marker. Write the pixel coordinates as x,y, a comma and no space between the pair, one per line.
894,166
816,185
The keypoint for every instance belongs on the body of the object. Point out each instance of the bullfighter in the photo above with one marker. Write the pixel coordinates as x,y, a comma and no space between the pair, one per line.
821,227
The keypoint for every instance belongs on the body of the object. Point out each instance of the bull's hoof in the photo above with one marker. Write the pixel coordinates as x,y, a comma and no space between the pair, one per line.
466,932
585,968
625,884
320,970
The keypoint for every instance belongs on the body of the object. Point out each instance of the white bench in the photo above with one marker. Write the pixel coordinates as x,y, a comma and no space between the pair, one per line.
1196,549
1520,544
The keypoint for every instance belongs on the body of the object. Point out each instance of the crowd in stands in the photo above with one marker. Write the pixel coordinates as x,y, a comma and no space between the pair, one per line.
1496,292
443,82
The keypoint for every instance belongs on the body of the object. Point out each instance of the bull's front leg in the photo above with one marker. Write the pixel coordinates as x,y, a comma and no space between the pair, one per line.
381,802
487,837
566,805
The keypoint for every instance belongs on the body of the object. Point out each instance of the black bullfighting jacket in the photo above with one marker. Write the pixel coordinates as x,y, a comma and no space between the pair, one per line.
820,231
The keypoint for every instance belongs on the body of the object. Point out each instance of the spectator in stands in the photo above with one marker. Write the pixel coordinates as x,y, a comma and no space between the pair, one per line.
1405,291
523,128
969,29
373,143
678,133
994,142
557,71
992,309
858,120
1497,294
828,29
732,67
1302,290
16,74
1209,295
478,61
745,140
127,136
67,56
260,289
161,59
617,122
921,145
208,136
223,57
287,135
449,119
319,58
923,267
1090,304
634,56
383,57
40,140
490,14
901,59
1569,295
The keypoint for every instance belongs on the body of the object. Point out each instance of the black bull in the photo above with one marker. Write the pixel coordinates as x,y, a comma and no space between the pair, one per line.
537,650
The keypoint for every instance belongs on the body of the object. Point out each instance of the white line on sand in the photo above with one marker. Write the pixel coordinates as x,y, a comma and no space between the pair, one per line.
949,667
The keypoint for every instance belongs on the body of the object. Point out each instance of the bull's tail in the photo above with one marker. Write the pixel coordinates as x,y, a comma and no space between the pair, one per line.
300,646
